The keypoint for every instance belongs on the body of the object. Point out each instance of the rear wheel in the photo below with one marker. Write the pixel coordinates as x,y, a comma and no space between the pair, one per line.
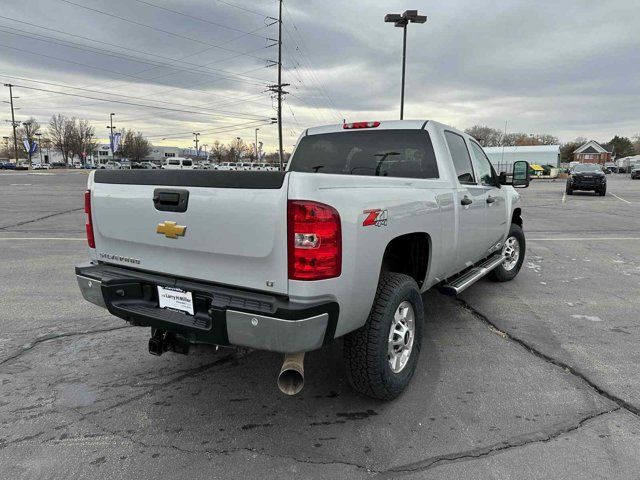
513,251
381,357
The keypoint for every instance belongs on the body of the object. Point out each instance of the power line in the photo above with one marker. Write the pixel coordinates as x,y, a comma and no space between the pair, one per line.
167,32
213,130
305,58
100,92
244,9
193,17
171,60
110,53
134,104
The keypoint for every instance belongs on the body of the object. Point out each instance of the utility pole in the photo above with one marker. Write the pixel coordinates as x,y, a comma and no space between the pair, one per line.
280,153
256,145
278,88
39,135
196,134
13,121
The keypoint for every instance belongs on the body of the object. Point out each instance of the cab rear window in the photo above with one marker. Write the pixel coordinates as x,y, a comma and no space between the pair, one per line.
384,153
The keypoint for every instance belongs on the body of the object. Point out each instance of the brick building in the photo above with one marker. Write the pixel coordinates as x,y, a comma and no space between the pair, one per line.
592,152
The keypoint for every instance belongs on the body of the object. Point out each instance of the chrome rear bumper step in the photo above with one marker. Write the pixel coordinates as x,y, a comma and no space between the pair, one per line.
463,282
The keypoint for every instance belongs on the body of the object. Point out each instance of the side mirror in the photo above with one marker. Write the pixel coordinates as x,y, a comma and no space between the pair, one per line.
520,174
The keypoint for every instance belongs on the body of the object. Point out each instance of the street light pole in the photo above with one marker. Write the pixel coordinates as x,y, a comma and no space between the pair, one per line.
196,134
13,121
401,21
256,145
39,146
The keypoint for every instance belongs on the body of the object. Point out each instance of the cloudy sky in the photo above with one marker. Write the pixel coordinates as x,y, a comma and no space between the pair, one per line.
172,67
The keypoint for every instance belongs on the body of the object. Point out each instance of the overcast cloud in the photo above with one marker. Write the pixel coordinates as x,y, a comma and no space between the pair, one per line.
568,68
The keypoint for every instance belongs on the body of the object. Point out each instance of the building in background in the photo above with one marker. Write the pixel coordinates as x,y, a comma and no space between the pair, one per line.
502,158
160,154
592,152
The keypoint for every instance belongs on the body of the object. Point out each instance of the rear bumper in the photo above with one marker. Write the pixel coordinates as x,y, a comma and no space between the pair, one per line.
222,315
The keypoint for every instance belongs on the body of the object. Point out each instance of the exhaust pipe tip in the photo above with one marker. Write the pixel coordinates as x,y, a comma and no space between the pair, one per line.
291,377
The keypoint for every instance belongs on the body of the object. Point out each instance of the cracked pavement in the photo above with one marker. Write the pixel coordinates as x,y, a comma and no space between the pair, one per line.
535,378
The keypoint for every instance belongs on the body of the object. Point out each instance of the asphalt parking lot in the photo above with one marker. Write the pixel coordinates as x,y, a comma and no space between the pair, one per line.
536,378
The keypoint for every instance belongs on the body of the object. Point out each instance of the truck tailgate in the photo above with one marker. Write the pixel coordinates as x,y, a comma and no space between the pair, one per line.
235,223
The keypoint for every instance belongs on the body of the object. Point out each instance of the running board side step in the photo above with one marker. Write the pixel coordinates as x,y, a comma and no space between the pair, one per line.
463,282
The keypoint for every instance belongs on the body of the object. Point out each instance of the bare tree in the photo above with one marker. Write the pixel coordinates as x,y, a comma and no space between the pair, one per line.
486,136
218,151
237,150
134,146
82,142
61,134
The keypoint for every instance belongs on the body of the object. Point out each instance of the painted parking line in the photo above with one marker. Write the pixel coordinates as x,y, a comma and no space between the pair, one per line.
621,199
582,239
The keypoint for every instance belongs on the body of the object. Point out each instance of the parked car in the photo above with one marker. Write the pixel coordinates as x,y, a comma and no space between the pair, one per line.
7,166
368,217
40,166
178,163
58,165
149,166
227,166
111,165
635,172
587,176
22,165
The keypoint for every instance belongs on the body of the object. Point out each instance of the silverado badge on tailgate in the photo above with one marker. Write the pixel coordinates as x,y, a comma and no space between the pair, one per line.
171,230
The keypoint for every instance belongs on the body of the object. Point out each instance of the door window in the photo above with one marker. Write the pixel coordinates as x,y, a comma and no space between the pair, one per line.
461,158
485,172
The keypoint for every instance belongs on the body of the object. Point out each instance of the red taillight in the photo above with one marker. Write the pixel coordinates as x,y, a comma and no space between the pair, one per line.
353,126
89,223
314,241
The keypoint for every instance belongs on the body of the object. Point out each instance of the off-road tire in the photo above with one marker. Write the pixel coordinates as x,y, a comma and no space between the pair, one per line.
366,349
500,273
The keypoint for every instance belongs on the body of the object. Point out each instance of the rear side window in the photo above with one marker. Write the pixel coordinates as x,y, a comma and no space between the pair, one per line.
461,158
174,162
384,153
187,163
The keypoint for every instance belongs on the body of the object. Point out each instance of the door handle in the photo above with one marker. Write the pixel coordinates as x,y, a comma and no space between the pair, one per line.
169,200
466,201
491,199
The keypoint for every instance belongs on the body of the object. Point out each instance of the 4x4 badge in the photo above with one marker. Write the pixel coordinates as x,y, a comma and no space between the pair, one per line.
377,217
171,230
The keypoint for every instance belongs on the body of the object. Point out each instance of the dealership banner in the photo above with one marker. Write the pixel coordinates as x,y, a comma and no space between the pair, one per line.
30,148
114,139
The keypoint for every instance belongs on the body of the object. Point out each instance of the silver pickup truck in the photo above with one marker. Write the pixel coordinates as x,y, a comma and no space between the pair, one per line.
367,217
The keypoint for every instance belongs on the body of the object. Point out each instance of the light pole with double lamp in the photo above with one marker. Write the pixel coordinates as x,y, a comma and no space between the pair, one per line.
401,21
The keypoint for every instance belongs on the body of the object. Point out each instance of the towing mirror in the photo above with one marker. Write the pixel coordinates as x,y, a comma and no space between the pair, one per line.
520,174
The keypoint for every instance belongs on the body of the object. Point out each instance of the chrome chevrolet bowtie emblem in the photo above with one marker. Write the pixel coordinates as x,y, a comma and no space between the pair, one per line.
171,230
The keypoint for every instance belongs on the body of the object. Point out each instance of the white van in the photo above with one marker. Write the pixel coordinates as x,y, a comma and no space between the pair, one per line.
178,163
227,166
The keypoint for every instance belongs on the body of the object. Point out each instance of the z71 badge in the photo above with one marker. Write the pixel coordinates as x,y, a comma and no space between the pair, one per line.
375,218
